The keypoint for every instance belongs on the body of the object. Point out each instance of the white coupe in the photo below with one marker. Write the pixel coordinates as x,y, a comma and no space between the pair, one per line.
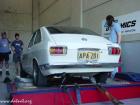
76,51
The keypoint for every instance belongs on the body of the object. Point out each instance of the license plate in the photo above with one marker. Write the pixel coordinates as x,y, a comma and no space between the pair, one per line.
88,56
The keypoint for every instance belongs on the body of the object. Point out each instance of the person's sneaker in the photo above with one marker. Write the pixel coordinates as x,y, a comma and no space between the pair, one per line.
18,77
7,80
7,73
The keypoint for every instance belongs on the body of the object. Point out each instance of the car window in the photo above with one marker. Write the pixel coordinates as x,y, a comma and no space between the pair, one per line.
32,40
38,37
70,30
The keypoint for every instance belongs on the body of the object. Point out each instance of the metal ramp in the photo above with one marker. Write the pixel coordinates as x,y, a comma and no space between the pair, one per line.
78,94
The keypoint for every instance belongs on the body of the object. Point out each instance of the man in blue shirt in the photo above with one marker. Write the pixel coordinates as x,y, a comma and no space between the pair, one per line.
4,54
115,30
17,48
115,34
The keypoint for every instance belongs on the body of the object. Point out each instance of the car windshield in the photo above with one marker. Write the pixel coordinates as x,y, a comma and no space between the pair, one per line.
69,30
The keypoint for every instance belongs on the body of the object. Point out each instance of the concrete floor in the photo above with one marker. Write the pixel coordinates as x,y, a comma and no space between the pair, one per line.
4,95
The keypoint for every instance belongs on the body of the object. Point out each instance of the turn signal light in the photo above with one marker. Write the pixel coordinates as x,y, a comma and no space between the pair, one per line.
114,51
58,50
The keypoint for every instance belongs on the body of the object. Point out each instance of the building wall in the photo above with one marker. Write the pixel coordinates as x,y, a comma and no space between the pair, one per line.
35,15
16,16
130,55
60,12
54,12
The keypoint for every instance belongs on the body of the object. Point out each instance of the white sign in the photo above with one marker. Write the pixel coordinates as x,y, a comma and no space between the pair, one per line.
130,24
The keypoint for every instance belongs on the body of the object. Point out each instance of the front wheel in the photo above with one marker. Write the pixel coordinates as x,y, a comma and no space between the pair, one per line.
38,78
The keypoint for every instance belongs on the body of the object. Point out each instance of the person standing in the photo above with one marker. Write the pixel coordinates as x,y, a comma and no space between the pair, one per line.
115,29
17,48
115,34
4,55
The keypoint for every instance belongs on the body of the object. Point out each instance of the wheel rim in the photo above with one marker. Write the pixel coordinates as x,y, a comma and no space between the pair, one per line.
35,74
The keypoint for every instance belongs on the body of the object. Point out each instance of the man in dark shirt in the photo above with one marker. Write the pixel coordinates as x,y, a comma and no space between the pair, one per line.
17,48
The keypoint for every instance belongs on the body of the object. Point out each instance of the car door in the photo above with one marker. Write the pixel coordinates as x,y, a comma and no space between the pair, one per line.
27,57
34,50
37,47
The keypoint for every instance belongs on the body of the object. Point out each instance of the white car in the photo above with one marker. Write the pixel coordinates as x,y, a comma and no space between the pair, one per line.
77,51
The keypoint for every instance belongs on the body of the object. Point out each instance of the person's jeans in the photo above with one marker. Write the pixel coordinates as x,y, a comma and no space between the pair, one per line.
114,72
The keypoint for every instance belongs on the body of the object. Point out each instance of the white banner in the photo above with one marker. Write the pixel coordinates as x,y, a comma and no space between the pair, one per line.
130,24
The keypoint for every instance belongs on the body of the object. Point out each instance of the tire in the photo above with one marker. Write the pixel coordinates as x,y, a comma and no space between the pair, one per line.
38,78
23,74
101,77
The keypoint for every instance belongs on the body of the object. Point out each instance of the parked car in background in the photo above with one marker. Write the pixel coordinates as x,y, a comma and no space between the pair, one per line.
76,51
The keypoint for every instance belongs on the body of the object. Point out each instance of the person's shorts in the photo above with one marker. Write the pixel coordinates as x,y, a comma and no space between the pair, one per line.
4,57
16,58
